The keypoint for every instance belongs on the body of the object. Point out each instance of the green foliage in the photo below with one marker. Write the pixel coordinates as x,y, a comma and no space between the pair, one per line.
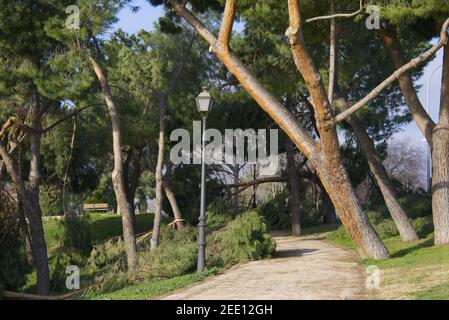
13,263
245,238
51,200
276,212
415,206
108,256
76,233
423,226
153,288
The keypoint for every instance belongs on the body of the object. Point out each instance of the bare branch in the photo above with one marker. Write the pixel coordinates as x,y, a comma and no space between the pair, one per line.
227,23
338,15
76,112
399,72
256,182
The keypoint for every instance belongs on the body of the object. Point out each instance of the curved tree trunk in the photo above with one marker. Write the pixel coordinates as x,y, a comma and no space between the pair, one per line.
159,177
324,156
118,180
440,162
293,182
173,203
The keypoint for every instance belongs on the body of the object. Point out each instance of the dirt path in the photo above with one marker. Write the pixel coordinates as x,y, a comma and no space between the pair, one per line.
303,268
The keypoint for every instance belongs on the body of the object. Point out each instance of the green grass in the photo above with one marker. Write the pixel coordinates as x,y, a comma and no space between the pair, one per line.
152,289
416,270
102,227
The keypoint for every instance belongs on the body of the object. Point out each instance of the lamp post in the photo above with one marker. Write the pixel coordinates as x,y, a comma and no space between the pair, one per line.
204,104
429,148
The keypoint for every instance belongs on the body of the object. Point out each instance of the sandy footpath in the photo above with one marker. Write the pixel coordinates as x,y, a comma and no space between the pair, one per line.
303,268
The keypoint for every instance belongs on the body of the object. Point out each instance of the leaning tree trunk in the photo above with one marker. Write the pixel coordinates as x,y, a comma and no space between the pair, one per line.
440,161
403,224
437,135
159,177
324,156
293,182
173,203
36,228
118,180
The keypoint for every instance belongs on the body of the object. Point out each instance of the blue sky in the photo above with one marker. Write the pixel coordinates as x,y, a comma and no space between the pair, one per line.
147,15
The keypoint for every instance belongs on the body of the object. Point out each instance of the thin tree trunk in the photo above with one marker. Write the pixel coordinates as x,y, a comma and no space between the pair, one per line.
117,174
377,168
236,173
173,203
159,177
440,161
325,156
35,216
36,228
293,182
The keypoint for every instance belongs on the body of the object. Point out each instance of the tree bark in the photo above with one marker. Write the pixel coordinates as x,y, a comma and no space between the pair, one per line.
331,170
293,182
118,180
324,156
440,161
173,203
36,228
159,177
34,213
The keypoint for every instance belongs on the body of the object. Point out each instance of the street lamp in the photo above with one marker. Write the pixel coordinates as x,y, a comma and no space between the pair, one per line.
204,104
429,148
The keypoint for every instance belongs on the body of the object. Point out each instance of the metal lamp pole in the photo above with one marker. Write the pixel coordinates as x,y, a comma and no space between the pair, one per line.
429,148
204,103
202,220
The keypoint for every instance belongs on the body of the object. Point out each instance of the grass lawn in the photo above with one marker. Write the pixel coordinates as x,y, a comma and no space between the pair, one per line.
152,289
416,270
102,227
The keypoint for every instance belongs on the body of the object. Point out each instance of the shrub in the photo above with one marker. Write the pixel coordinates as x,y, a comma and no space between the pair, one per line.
76,233
59,263
386,229
107,256
245,238
423,226
276,212
339,234
13,263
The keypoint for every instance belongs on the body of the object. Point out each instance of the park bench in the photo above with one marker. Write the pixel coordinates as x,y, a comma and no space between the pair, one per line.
96,207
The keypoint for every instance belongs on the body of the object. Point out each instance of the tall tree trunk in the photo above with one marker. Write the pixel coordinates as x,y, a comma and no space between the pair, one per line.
118,180
173,203
437,135
36,227
440,161
293,182
333,174
35,216
159,177
324,156
403,224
